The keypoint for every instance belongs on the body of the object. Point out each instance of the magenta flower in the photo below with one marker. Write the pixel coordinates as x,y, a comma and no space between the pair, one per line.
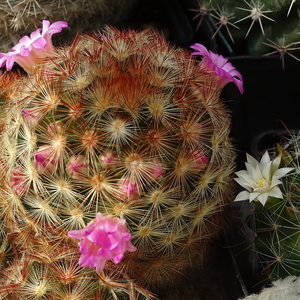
199,159
219,65
128,189
105,238
77,166
18,181
45,160
30,49
156,170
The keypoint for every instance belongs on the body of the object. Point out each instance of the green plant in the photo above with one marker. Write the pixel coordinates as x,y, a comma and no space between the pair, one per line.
255,27
120,123
276,222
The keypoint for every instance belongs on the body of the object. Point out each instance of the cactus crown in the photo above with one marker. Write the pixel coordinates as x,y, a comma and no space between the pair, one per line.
124,124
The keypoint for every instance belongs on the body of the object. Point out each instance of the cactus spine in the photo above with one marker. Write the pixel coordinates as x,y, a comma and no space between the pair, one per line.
253,27
17,18
276,225
124,124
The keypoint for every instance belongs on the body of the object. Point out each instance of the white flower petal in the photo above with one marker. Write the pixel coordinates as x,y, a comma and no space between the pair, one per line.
251,160
261,179
266,171
262,198
282,172
244,184
275,181
246,177
253,196
244,195
265,159
275,164
256,174
276,192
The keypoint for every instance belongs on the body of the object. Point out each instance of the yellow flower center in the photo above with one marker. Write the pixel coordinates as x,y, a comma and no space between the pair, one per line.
262,182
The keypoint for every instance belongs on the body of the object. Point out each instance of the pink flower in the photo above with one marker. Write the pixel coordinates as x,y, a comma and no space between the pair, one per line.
199,159
103,239
44,159
18,181
30,115
77,166
128,189
109,159
30,49
220,66
156,170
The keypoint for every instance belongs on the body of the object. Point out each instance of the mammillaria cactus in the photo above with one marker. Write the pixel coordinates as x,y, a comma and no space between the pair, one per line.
125,125
255,27
275,218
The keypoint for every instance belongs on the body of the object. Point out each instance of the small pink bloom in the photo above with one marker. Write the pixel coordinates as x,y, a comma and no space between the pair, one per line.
220,66
44,160
77,166
109,159
30,115
30,49
18,181
199,159
156,169
105,238
127,189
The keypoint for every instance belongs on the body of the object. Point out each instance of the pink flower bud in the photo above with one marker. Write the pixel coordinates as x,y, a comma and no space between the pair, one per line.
199,159
55,127
127,189
30,115
156,169
18,181
105,238
44,160
77,166
109,159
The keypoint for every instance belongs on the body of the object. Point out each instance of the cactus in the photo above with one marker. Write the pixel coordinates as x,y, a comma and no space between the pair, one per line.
120,123
276,223
255,27
20,17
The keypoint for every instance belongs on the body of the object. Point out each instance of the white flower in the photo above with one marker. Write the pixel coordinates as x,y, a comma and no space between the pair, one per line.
261,179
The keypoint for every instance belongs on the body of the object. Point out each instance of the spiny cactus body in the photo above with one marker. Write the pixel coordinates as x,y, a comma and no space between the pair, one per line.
255,27
124,124
276,224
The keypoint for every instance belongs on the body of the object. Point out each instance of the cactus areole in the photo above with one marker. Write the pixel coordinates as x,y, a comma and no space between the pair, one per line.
126,125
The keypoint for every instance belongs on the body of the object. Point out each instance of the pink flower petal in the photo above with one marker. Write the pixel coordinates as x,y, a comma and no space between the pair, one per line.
110,225
10,62
105,238
24,51
220,65
31,49
35,34
77,234
118,258
39,43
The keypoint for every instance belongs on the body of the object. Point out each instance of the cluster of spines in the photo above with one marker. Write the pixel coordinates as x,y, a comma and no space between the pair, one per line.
276,226
259,27
125,124
17,18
